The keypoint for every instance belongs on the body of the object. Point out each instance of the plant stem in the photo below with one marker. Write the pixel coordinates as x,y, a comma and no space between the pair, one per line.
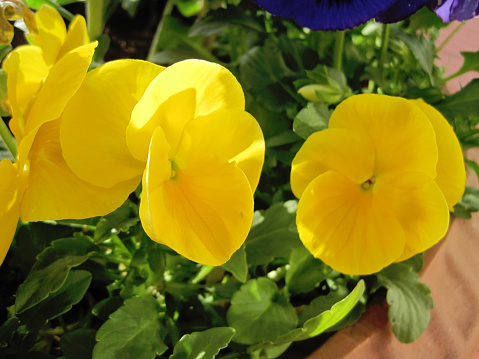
384,46
450,36
339,50
7,137
94,15
156,38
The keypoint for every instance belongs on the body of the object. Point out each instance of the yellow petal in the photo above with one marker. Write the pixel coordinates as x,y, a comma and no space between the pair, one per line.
350,229
95,120
77,36
212,86
61,84
26,72
223,136
54,191
9,206
336,149
204,214
171,115
451,173
402,135
51,33
423,214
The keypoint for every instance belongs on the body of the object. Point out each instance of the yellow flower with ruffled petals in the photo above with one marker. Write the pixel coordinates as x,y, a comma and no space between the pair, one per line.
40,185
49,45
183,132
376,187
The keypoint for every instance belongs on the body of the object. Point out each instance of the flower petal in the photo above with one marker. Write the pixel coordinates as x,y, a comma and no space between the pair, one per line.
327,14
333,149
402,135
423,214
95,120
26,72
224,136
77,36
171,115
214,88
61,84
400,10
9,206
350,229
451,173
204,214
54,191
51,33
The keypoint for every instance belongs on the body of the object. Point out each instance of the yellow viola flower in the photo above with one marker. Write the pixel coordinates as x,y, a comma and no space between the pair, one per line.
376,187
49,45
40,185
181,131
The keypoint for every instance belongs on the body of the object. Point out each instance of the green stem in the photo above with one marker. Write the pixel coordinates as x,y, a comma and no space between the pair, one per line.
94,15
450,36
384,46
339,50
156,38
7,137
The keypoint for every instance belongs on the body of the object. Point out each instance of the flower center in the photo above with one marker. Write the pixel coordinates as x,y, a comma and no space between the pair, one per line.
174,169
367,185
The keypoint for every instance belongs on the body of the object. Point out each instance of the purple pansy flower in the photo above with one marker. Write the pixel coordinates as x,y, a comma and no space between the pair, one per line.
341,14
449,10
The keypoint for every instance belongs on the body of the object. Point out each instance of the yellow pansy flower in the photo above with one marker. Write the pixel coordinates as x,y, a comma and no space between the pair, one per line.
376,187
49,45
181,131
40,185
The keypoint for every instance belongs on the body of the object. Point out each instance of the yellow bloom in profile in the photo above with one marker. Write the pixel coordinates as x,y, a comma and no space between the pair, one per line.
181,131
50,44
376,187
40,185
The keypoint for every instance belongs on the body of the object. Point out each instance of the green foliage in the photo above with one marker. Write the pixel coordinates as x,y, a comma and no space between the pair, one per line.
132,331
205,345
260,312
313,118
78,344
273,234
51,270
409,301
468,204
58,302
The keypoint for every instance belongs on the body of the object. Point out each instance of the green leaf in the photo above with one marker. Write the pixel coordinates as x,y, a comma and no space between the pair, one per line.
320,323
189,7
259,312
409,301
7,330
464,102
133,331
471,63
313,118
218,20
305,272
51,270
468,203
118,221
273,234
78,344
130,6
238,265
422,50
473,166
59,302
107,306
204,345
